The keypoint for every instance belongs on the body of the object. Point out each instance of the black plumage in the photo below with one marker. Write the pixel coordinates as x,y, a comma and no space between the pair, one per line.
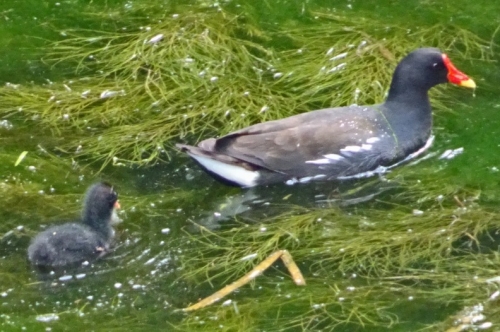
335,143
76,242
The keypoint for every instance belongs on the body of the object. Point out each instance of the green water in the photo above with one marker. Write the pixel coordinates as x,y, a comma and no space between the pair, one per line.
346,247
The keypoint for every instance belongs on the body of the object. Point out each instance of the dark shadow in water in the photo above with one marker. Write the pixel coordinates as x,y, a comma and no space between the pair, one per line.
261,203
486,242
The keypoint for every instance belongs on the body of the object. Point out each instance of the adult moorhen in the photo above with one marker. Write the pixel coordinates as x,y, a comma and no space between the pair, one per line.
76,242
336,143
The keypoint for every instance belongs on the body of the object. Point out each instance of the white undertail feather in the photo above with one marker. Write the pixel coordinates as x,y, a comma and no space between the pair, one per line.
236,174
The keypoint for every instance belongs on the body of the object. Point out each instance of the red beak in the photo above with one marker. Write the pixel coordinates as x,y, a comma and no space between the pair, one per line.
455,76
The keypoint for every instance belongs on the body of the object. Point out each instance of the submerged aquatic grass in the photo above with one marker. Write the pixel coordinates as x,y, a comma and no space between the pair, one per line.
354,62
356,261
425,242
196,73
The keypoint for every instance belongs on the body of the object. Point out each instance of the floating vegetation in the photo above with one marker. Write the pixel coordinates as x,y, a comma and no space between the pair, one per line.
357,64
367,265
144,77
284,255
191,73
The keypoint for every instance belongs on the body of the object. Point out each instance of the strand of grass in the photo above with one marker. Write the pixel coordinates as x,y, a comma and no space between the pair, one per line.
425,263
254,273
410,240
205,77
327,312
362,39
358,306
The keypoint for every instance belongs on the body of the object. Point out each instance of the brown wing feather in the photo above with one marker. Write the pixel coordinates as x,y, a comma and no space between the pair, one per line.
285,146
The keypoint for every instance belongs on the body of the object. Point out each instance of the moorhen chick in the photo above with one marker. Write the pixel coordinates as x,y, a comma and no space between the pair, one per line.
75,242
336,143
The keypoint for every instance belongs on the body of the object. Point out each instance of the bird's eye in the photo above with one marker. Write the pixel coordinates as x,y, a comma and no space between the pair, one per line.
435,64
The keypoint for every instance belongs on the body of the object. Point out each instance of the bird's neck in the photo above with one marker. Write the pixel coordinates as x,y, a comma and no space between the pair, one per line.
408,92
409,114
99,221
407,100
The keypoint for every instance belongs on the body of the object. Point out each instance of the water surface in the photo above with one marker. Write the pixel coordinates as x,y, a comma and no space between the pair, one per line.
151,273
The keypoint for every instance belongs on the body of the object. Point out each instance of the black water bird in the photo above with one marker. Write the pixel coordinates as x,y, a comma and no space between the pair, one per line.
336,143
76,242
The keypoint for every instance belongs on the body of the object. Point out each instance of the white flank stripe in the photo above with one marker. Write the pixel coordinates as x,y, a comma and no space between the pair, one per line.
415,154
351,148
372,140
329,158
305,179
385,169
333,156
229,172
318,161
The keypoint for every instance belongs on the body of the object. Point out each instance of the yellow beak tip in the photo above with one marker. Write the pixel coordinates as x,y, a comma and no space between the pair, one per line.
468,84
